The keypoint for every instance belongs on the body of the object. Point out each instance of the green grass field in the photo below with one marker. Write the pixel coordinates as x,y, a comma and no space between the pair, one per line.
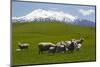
35,32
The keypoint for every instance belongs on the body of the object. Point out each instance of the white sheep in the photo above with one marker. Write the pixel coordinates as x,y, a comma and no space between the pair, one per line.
18,50
46,46
78,46
23,45
46,43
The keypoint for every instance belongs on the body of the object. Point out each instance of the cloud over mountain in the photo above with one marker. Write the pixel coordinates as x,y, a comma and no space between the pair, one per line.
86,12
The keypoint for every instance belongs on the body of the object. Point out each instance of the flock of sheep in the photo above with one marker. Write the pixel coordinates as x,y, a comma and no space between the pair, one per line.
49,47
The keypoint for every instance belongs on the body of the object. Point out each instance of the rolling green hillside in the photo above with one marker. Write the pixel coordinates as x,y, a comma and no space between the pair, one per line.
35,32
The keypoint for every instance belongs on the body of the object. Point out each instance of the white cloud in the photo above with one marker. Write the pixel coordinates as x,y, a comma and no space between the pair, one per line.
86,12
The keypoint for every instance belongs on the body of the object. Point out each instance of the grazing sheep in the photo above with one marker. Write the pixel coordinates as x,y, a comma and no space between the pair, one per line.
78,47
64,46
46,46
52,49
23,45
67,43
61,46
71,47
79,43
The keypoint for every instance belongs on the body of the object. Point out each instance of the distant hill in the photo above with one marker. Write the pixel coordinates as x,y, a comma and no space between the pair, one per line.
85,23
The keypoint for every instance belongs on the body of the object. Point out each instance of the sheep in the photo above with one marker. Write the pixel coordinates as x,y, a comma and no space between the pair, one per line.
66,46
61,46
18,50
79,43
71,47
78,46
23,45
67,43
46,46
52,49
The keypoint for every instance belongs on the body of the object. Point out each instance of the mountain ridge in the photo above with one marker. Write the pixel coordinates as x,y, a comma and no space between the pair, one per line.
40,15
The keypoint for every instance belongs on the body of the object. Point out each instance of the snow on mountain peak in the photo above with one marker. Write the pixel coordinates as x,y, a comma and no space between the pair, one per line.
42,15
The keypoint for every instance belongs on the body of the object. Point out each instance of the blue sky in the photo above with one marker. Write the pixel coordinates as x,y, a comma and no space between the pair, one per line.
83,12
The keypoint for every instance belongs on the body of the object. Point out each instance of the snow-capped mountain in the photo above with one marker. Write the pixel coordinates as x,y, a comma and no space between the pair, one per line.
47,15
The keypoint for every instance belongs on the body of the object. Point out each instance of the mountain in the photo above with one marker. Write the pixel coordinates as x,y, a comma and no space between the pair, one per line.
46,15
84,22
49,15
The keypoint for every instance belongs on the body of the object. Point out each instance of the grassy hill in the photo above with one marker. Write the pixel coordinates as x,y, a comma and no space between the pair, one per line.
35,32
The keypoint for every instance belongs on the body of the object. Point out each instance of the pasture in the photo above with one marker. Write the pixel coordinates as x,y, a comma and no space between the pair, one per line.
36,32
